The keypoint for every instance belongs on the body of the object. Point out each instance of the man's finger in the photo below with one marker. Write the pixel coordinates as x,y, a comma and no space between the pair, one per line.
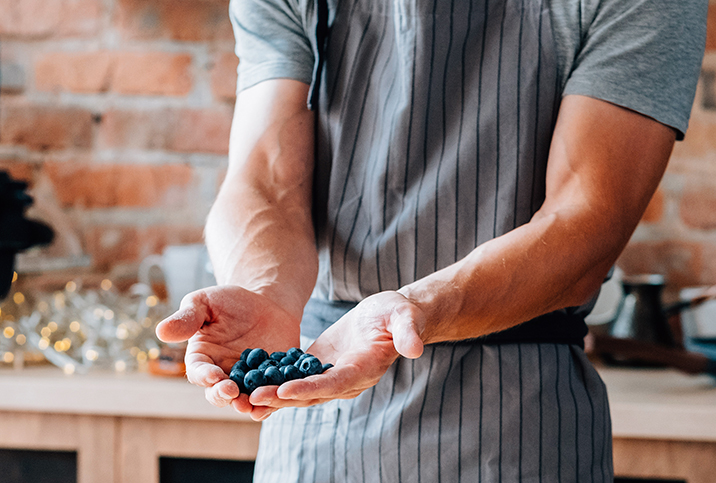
333,384
201,370
222,393
184,323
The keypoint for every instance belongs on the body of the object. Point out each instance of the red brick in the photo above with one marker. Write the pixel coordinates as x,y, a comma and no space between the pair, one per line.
80,18
698,205
181,130
152,73
700,139
73,72
113,185
45,127
679,261
711,28
223,76
29,18
137,129
185,20
50,18
203,131
655,209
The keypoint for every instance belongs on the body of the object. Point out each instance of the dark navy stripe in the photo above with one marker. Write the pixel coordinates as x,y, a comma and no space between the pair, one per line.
535,157
502,452
592,419
576,422
459,429
559,414
346,453
541,409
365,430
497,121
422,409
440,414
479,436
382,421
444,136
477,127
365,169
519,448
407,152
518,131
402,413
352,156
425,146
459,133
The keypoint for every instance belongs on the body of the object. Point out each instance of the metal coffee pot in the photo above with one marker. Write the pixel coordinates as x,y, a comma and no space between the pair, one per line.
641,316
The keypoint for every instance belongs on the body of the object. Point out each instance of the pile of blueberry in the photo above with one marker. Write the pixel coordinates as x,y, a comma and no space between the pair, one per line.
257,368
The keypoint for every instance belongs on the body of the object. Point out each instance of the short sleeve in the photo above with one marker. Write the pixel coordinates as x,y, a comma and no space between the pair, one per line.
644,55
271,41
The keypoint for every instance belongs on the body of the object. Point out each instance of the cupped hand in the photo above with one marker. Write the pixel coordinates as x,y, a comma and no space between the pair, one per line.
362,345
219,323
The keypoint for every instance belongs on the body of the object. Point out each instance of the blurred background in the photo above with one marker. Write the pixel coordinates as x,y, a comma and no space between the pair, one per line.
116,114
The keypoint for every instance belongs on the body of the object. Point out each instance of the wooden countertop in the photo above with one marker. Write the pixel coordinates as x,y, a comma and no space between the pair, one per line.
645,403
136,394
661,404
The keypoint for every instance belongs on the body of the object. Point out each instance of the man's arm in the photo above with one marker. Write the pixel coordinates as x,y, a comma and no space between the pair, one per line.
261,241
259,232
604,165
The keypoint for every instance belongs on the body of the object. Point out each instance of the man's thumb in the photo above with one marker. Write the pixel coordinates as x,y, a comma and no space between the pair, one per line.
184,323
406,338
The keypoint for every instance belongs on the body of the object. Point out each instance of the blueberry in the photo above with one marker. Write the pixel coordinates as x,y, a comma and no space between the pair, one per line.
277,356
245,354
310,366
291,372
294,352
241,365
266,364
301,359
325,368
237,375
273,376
253,379
256,357
288,361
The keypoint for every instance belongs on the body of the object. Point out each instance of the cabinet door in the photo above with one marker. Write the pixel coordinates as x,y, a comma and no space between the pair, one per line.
90,438
143,441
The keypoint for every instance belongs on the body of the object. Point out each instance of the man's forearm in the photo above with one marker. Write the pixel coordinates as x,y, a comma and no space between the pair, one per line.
605,163
259,231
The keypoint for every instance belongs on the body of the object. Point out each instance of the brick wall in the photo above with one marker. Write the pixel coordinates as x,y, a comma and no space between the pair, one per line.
117,112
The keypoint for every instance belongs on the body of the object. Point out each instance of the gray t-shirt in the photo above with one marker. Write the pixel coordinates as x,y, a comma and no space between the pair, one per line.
436,116
644,55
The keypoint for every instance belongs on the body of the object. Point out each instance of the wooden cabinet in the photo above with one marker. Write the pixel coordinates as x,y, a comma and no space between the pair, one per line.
119,425
664,423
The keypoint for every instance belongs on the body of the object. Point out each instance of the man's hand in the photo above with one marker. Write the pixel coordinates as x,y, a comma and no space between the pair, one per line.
361,345
219,323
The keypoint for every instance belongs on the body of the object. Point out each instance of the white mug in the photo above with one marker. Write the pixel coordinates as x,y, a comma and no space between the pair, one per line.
185,268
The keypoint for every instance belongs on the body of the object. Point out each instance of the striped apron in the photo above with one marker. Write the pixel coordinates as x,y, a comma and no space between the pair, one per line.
434,125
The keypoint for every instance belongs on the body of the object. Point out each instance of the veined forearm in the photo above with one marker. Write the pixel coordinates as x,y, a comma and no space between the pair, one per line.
262,247
548,264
